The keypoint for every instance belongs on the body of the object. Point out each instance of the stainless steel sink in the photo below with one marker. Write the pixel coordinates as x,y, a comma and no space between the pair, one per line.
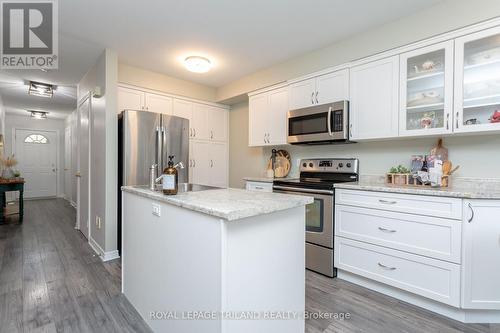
188,187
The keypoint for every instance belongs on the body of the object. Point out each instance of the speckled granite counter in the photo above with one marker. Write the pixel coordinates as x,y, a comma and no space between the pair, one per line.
463,188
265,179
229,204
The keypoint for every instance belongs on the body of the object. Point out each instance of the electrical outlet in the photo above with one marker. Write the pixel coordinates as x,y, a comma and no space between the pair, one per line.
156,210
97,221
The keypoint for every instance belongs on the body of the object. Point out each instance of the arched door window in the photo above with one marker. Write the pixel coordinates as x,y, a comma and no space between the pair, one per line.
36,138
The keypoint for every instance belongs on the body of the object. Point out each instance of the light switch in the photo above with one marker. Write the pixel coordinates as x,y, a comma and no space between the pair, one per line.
156,210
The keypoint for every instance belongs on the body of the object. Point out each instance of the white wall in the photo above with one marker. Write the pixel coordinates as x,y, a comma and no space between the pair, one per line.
14,121
103,164
70,122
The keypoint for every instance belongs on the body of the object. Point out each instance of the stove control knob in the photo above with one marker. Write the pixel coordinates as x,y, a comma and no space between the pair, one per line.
311,165
348,165
341,165
304,165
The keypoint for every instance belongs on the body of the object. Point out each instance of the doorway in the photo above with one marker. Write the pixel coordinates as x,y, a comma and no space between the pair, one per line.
36,152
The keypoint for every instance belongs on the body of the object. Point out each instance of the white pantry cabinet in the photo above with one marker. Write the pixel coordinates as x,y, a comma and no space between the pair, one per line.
477,82
208,163
318,90
374,92
426,92
132,99
481,253
267,117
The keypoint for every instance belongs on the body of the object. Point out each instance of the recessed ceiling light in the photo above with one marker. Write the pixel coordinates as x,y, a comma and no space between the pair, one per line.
41,89
38,114
197,64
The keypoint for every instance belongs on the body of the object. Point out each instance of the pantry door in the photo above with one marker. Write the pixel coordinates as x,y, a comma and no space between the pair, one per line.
36,153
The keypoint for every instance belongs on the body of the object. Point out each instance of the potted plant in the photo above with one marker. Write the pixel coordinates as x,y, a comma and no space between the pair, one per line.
8,163
399,175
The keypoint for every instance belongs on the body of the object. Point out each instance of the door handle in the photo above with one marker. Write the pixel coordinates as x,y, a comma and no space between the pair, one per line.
447,121
387,267
350,130
386,230
457,120
312,97
78,175
211,134
53,170
329,120
194,163
472,213
317,98
387,202
211,163
194,131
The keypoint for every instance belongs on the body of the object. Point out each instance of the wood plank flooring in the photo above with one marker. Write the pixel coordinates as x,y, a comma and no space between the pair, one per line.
51,281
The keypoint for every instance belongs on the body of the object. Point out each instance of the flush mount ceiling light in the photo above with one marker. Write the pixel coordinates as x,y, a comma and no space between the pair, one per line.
38,114
197,64
41,89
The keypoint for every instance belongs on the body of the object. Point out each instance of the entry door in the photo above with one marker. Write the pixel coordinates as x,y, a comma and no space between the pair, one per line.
36,152
83,182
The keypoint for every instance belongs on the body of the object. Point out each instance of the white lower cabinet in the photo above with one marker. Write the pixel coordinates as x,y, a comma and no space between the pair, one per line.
481,255
208,163
442,249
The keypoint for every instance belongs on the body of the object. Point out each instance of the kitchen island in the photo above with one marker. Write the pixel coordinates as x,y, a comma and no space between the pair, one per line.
222,260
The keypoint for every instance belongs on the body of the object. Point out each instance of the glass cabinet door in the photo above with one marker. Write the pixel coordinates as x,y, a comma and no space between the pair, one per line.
426,90
477,81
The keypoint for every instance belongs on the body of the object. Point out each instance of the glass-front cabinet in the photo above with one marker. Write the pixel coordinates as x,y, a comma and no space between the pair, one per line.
477,81
426,92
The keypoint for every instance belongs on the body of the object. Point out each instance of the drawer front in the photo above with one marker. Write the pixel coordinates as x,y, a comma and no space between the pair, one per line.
428,236
450,208
434,279
258,186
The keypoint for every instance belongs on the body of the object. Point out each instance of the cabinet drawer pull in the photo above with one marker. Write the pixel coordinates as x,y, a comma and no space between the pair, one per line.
471,213
447,121
387,267
387,202
457,119
259,188
317,98
386,230
312,97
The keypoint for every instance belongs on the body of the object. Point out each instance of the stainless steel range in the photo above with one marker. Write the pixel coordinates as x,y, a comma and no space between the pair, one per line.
317,179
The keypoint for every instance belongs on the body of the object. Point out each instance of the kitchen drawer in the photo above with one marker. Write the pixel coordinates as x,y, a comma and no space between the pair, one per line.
434,279
428,236
406,203
259,186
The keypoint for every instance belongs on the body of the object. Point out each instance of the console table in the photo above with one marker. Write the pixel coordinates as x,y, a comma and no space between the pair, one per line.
8,185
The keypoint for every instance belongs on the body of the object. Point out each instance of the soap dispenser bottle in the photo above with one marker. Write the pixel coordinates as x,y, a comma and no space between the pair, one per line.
170,178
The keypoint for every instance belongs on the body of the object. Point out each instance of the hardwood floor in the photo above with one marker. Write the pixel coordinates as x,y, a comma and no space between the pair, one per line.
51,281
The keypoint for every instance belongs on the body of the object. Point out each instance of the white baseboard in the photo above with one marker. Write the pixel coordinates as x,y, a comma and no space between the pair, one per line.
462,315
105,256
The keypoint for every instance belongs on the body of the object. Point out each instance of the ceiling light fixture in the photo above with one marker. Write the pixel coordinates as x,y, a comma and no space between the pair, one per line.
41,89
38,114
197,64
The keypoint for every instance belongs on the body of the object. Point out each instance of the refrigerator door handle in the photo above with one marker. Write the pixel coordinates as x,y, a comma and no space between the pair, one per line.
159,145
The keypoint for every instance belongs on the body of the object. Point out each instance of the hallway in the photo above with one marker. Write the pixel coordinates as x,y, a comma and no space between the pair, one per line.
51,280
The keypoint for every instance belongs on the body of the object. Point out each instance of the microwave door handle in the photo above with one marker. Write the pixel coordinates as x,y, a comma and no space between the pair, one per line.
329,120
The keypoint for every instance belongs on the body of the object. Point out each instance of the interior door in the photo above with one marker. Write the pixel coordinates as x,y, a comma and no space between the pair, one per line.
67,163
36,152
83,174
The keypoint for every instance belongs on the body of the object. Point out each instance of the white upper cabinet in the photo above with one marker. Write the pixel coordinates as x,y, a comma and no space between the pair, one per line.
477,81
184,109
130,99
218,124
268,117
481,249
332,87
302,94
199,120
426,92
374,91
322,89
158,103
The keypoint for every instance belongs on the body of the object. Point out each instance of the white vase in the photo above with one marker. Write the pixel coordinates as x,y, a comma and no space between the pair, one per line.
8,173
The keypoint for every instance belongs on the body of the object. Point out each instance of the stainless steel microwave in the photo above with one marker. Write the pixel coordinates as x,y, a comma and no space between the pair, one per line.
327,123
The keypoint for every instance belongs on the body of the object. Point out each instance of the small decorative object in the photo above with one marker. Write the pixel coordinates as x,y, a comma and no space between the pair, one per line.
17,173
417,161
495,118
8,163
428,65
399,175
472,121
440,151
282,164
427,120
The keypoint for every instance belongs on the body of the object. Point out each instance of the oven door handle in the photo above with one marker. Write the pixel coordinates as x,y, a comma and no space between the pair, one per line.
329,120
303,190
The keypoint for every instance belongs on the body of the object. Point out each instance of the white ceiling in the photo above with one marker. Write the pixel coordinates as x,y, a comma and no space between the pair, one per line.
239,36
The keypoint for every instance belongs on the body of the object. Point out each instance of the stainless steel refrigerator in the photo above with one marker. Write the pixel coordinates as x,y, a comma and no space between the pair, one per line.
147,138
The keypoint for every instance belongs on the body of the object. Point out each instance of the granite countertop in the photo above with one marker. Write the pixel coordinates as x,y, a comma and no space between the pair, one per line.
467,189
229,204
266,179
